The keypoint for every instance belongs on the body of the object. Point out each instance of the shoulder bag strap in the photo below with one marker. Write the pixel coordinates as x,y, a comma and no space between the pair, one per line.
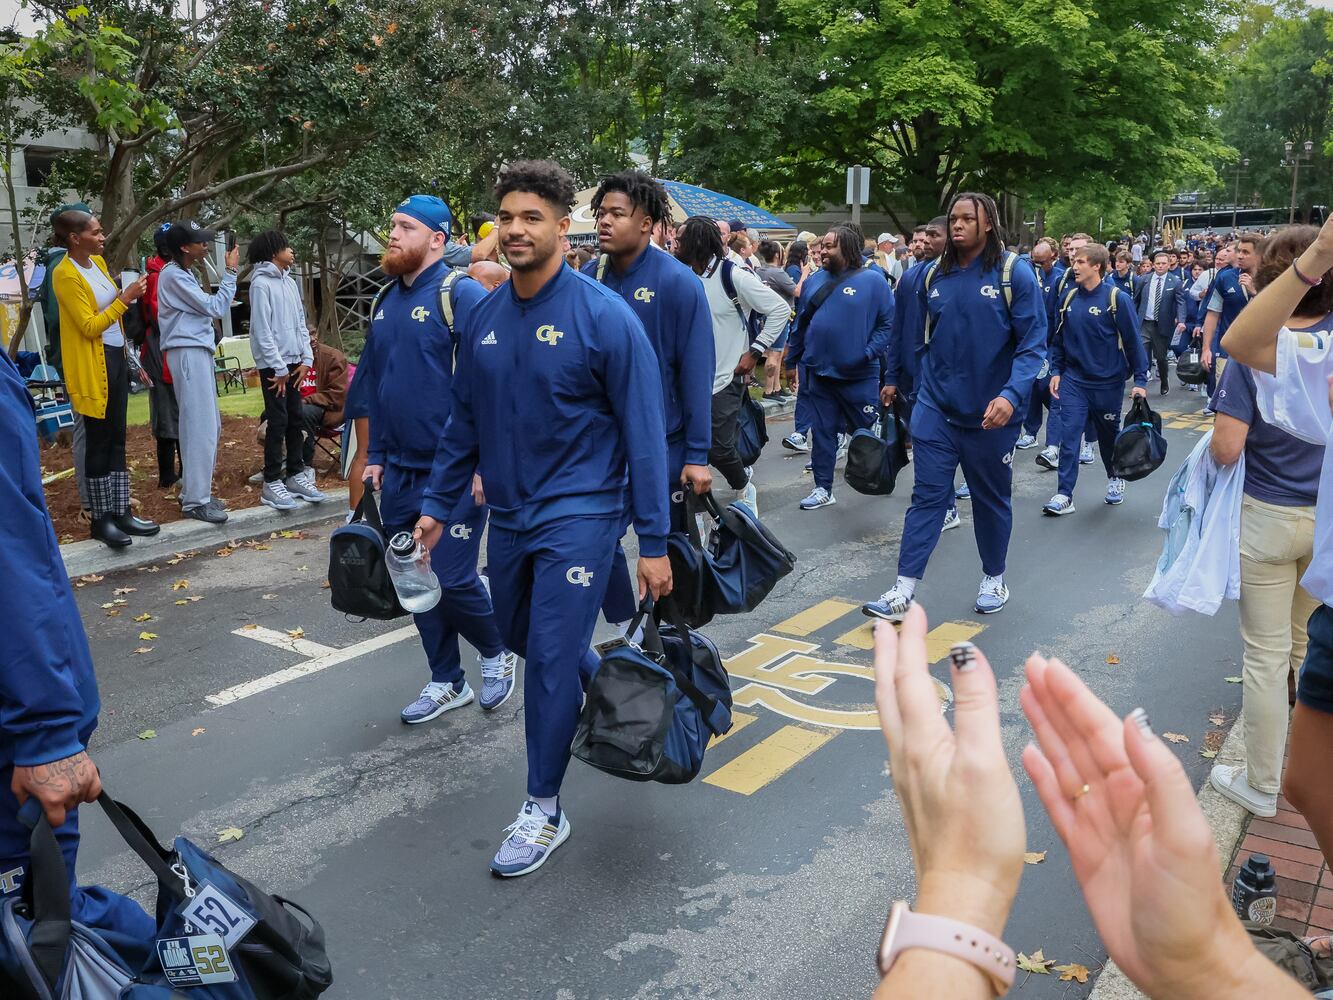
142,842
820,298
925,285
47,888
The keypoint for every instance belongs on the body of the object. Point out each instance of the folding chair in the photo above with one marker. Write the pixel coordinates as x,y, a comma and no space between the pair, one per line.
227,372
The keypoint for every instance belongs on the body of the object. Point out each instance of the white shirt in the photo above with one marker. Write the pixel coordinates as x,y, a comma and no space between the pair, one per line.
730,338
1150,307
105,292
1297,401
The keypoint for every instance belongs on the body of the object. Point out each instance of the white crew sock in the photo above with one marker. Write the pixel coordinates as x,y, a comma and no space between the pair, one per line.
906,586
549,806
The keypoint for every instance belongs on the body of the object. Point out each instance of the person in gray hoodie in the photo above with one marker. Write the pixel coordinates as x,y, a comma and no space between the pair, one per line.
280,341
185,315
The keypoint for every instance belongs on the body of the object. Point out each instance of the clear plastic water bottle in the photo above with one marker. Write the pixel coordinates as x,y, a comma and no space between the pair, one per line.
1254,893
413,580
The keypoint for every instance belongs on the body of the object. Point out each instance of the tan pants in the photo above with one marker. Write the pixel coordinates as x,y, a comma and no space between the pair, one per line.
1276,544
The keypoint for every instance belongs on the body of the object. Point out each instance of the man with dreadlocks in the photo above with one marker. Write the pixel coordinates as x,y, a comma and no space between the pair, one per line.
669,300
984,333
734,295
843,330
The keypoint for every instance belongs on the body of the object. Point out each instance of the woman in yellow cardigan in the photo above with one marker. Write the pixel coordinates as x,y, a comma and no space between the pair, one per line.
92,347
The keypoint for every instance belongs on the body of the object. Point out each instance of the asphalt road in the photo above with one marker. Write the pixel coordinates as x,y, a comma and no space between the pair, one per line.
769,877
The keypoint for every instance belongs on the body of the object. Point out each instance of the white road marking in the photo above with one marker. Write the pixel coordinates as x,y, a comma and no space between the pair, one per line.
283,641
330,659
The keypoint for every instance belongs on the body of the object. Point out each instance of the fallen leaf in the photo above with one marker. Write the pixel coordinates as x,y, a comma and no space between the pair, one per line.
234,544
291,534
109,604
1113,659
1208,754
151,569
1232,680
120,602
148,734
269,597
1214,740
144,649
188,600
91,578
1034,857
302,569
261,547
325,585
1175,737
197,731
1217,718
145,617
113,613
173,562
1073,971
296,633
223,553
229,834
121,591
145,636
181,585
249,627
1037,963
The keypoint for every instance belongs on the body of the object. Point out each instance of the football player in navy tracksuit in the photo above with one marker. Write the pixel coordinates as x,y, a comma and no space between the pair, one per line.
48,694
1095,345
1049,271
405,377
981,356
900,362
669,300
1233,287
554,457
841,345
1049,457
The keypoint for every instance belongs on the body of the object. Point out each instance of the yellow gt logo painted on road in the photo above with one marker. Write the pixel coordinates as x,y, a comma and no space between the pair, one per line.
548,334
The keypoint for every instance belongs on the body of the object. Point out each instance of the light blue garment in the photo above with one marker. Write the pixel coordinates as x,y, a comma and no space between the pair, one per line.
279,336
185,312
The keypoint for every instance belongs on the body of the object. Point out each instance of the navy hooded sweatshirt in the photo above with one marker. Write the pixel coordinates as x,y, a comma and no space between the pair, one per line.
850,332
406,373
1094,346
557,398
980,347
669,300
48,694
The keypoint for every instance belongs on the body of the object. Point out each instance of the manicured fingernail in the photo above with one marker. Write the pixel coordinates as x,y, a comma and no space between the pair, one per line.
1140,718
964,656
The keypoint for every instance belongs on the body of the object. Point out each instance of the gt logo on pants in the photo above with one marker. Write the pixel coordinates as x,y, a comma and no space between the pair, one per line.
1008,458
461,531
579,576
548,334
420,313
9,881
678,496
643,294
1110,418
869,409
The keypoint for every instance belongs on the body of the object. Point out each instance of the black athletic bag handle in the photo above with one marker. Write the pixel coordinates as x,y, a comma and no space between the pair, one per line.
46,889
367,510
668,608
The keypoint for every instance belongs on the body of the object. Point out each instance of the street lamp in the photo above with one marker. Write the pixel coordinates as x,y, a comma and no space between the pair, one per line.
1293,160
1235,200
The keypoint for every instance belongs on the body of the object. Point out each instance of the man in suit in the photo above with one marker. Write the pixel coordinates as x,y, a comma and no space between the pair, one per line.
1159,301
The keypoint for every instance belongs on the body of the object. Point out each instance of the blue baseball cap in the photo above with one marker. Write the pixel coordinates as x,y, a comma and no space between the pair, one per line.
428,209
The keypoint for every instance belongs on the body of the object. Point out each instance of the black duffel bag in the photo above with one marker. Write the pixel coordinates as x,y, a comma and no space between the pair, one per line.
1139,447
651,710
359,581
752,430
875,456
1189,367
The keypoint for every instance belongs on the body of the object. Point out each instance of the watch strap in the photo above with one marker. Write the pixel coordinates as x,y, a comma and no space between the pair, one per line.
907,930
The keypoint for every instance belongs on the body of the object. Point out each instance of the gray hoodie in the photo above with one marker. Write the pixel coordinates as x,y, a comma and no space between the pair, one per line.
185,312
279,337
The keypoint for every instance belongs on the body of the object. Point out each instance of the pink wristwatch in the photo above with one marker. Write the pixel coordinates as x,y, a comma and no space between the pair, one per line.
906,929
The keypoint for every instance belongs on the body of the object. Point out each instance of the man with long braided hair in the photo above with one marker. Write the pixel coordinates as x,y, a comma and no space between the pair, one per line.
983,322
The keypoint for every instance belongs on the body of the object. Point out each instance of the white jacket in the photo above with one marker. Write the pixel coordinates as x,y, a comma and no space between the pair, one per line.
1200,562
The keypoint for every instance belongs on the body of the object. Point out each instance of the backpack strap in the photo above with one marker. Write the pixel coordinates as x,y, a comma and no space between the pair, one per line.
1007,279
602,262
925,286
729,286
447,300
1064,308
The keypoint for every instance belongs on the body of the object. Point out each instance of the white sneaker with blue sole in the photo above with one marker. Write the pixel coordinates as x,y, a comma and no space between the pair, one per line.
532,838
497,680
951,520
1115,491
1058,505
819,497
435,700
992,597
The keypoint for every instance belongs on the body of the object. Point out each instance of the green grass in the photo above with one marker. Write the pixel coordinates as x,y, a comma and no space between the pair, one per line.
233,404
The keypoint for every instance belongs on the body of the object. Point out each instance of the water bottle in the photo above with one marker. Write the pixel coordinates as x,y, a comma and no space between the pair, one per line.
1254,893
413,580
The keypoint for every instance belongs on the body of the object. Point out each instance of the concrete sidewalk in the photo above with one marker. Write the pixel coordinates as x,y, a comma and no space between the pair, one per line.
91,556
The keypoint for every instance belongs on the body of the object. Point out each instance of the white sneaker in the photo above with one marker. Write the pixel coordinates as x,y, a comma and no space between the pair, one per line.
1115,491
749,496
1026,441
1085,455
1232,783
1058,505
951,520
436,699
1049,458
819,497
891,607
276,495
992,596
532,838
304,488
843,441
796,441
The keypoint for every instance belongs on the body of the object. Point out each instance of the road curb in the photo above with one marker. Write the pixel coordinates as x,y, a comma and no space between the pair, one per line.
774,409
92,556
1227,820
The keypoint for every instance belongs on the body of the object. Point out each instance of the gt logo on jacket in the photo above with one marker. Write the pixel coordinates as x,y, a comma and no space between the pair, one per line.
548,334
643,294
420,313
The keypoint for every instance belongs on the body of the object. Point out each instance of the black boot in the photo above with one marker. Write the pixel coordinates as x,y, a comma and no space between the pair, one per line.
125,520
105,529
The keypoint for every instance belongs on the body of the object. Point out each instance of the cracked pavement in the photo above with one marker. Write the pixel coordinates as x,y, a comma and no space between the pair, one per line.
384,831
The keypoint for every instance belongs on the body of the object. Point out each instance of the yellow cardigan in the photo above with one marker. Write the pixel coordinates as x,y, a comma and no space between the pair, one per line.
81,329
